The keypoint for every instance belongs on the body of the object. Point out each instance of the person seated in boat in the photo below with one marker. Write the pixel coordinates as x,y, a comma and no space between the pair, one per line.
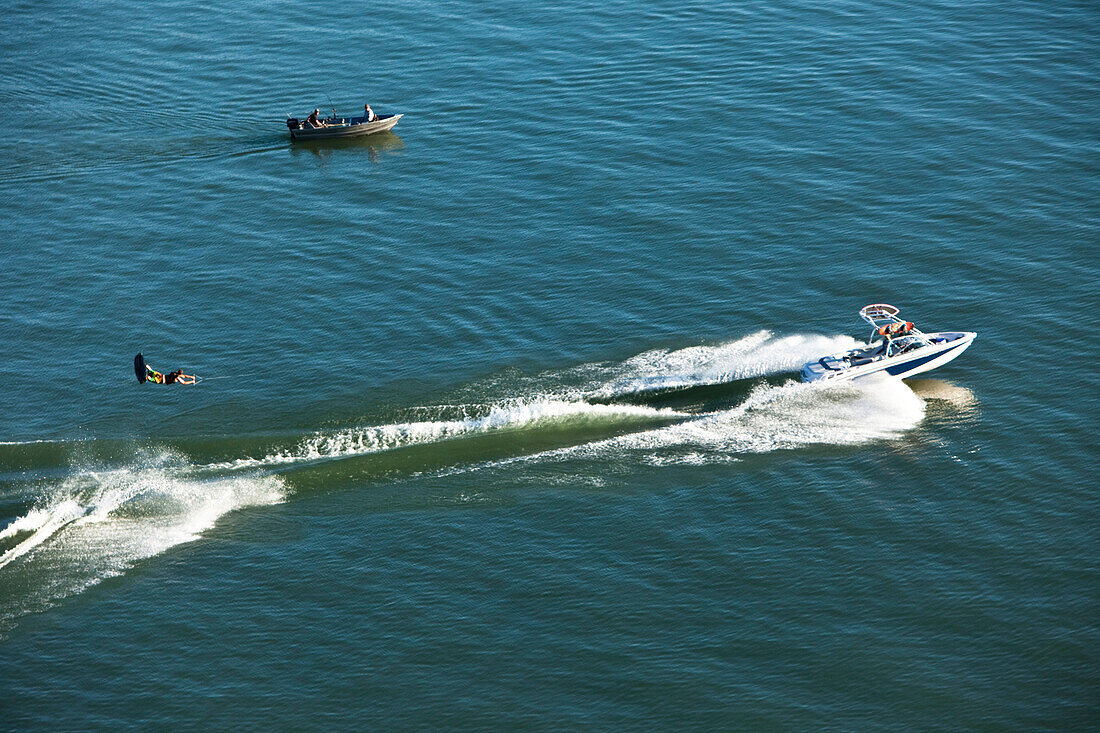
368,114
312,120
892,330
889,348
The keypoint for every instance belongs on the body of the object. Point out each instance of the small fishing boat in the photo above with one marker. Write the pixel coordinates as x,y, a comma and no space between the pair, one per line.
895,347
336,127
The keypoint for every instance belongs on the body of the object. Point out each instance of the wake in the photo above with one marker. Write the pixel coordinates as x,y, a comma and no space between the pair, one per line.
510,415
96,523
760,354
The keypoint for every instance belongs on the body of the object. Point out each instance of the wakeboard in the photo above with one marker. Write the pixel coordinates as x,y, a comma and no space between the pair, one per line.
139,368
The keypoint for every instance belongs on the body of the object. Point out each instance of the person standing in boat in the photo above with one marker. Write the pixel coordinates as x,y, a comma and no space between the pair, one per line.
312,120
368,114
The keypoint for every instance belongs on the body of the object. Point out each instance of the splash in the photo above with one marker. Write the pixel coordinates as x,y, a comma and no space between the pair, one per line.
97,523
790,416
759,354
512,415
773,418
515,416
41,524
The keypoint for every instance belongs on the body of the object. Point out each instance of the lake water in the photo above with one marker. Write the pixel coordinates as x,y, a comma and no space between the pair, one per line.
500,424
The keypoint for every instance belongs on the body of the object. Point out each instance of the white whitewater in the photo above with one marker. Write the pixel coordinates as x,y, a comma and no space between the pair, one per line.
757,355
772,417
97,523
511,415
787,416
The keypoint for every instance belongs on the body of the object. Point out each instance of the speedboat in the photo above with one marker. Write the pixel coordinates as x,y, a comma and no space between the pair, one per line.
895,347
341,127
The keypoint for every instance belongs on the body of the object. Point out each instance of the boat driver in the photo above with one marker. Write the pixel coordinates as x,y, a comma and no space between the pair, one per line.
312,120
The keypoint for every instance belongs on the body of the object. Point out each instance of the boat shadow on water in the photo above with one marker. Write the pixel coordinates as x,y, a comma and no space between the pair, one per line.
375,146
947,403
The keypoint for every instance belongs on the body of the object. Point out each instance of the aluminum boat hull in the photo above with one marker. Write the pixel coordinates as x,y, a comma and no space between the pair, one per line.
354,128
911,363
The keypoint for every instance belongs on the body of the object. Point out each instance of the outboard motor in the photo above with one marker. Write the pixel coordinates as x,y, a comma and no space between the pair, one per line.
293,124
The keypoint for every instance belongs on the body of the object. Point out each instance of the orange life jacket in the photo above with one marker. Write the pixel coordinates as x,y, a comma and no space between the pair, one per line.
895,329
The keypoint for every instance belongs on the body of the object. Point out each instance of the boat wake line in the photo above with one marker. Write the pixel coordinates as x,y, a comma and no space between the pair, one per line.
698,405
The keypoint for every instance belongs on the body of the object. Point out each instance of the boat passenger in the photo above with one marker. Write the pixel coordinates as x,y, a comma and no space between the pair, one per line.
312,120
368,114
892,347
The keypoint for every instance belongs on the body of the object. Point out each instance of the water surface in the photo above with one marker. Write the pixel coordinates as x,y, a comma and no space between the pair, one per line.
501,424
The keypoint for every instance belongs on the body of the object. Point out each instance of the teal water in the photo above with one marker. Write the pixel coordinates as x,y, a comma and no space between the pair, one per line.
501,425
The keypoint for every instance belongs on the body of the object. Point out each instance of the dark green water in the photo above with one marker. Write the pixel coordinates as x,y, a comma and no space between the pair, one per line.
501,425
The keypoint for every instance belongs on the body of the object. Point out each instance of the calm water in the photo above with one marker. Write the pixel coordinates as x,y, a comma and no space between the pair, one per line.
501,424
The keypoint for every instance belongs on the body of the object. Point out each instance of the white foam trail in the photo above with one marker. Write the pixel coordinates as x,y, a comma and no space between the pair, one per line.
43,523
33,520
793,415
756,355
514,415
388,437
96,524
772,418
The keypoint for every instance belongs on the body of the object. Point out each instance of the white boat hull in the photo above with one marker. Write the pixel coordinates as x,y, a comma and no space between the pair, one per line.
353,129
903,366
